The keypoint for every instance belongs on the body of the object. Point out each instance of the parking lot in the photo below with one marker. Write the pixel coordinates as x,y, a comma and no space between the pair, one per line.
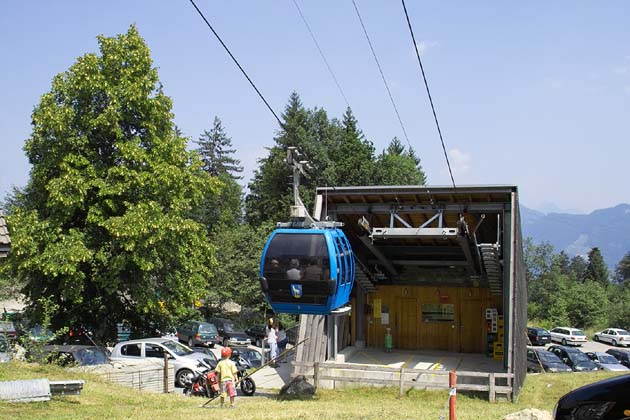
590,345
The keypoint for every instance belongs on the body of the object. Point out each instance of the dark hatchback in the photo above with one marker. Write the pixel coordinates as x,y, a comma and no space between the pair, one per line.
257,334
196,333
229,333
538,336
573,358
603,400
549,361
622,355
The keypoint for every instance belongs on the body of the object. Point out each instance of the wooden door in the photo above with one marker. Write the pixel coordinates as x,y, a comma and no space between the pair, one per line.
406,332
471,324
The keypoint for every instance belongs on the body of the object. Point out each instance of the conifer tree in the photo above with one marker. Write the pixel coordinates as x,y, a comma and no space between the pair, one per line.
596,269
217,153
622,271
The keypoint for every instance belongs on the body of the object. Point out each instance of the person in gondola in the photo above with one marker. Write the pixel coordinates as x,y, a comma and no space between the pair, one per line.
313,271
294,273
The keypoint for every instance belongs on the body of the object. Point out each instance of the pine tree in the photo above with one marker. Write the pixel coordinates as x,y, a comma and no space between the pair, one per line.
217,154
397,166
596,269
622,271
578,267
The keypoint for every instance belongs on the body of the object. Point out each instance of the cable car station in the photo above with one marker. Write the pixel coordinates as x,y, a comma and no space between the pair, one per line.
438,269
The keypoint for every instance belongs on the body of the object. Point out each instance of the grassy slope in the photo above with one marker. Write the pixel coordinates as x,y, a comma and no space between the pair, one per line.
100,400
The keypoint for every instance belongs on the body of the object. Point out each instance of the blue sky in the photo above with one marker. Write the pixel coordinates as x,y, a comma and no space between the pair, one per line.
535,94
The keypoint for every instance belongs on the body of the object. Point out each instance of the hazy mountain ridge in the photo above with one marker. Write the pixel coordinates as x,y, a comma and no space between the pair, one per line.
608,229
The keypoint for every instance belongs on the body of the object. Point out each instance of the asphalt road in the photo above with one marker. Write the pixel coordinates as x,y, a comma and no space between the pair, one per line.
589,346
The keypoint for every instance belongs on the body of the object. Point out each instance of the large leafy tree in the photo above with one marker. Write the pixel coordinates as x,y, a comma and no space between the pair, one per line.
104,226
596,269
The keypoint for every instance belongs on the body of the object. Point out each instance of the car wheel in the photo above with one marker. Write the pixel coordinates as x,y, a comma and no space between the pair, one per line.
184,378
248,387
596,338
564,342
258,342
190,343
614,343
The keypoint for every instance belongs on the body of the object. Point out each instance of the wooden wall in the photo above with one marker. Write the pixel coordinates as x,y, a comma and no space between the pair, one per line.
465,334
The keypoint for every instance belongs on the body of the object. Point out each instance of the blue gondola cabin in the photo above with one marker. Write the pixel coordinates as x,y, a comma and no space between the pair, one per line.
307,271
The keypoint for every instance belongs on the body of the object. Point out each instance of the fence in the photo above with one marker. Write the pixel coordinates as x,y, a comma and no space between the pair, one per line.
146,379
405,378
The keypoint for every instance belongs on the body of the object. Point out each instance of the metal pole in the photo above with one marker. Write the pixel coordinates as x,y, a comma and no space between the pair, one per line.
452,400
165,373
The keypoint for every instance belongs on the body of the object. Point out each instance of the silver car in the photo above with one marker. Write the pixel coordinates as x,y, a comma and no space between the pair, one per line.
614,336
185,361
606,361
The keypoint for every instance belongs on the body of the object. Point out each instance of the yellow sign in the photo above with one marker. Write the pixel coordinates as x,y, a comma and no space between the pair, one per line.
376,307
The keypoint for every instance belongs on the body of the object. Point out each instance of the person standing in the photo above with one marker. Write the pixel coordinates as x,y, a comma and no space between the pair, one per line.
282,340
227,371
272,340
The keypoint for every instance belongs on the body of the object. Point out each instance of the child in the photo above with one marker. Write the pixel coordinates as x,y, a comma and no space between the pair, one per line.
226,370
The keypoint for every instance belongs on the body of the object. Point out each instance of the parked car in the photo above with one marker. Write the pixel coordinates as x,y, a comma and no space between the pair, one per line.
549,361
198,333
7,328
229,333
622,355
5,354
251,356
257,333
568,336
184,359
538,336
76,354
606,361
603,400
614,336
573,358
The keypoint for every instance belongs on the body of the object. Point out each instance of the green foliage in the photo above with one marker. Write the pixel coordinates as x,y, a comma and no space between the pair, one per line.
397,166
34,346
578,267
596,269
338,155
622,271
587,304
235,278
104,226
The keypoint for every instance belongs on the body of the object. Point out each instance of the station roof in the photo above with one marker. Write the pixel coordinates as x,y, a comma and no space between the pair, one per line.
421,232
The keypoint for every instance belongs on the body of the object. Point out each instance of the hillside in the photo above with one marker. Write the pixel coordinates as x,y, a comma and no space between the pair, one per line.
608,229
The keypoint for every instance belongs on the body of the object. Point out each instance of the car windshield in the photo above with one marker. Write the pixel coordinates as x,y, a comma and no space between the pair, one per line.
207,328
578,333
579,357
548,357
90,356
251,355
608,359
176,348
229,327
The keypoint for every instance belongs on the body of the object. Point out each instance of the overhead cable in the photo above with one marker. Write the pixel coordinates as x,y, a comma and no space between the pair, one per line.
321,53
437,124
236,62
378,64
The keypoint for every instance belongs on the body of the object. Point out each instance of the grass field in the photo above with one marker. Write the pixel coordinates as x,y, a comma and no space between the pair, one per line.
102,400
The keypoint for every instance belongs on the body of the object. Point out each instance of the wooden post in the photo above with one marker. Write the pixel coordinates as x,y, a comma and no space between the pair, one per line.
492,396
316,375
452,399
165,373
401,381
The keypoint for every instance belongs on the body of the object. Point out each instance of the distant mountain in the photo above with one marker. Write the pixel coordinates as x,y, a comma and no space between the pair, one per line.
607,229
